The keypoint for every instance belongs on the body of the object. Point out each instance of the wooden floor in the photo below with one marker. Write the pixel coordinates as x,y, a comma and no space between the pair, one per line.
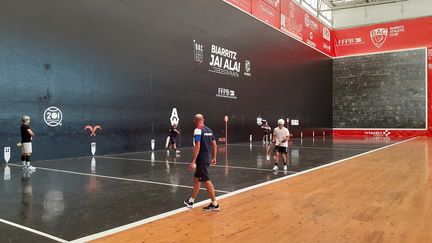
384,196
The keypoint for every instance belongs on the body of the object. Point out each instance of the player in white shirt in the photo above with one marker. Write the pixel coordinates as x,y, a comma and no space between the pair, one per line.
280,139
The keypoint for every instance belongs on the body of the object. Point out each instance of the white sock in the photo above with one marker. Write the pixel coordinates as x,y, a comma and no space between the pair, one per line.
214,203
24,163
191,200
28,163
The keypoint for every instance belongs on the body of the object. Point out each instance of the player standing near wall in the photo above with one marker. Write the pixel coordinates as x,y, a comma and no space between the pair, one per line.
26,144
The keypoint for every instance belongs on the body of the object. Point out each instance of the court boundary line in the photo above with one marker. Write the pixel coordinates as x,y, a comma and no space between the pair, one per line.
120,178
186,163
183,209
32,230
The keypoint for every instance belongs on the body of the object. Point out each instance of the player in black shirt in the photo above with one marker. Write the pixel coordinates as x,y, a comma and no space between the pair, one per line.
26,143
173,138
266,129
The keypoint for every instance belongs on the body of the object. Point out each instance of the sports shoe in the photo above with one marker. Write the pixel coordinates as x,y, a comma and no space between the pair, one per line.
29,168
177,151
211,207
275,168
285,167
188,204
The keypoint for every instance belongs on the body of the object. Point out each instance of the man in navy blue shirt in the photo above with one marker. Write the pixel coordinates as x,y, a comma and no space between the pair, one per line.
204,154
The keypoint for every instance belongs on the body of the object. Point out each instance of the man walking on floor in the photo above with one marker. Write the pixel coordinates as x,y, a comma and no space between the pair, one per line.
280,139
204,154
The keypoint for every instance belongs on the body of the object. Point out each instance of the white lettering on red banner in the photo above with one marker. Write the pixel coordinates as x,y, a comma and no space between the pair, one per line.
404,34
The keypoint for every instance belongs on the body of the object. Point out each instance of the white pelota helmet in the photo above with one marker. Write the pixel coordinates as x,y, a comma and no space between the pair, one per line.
281,122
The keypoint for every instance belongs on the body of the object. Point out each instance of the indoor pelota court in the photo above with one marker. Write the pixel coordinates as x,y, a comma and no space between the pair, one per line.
215,121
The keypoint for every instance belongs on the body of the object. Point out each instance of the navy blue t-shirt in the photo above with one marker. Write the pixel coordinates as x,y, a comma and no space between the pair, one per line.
205,136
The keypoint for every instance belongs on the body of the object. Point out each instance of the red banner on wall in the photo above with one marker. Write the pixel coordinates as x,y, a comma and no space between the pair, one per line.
291,18
397,35
266,13
246,5
274,3
305,27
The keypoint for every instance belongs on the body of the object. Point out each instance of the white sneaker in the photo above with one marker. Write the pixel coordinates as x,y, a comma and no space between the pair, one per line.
275,168
177,151
30,168
285,167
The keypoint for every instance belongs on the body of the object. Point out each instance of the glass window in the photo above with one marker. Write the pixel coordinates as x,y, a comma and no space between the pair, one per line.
311,5
325,14
325,20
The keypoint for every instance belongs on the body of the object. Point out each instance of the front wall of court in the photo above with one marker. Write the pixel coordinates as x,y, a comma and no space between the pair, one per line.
386,90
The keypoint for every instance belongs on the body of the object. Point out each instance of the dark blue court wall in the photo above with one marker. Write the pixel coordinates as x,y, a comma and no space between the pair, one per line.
124,65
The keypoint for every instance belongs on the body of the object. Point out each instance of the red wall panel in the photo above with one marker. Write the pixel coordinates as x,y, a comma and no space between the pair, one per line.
305,27
274,3
396,35
266,13
246,5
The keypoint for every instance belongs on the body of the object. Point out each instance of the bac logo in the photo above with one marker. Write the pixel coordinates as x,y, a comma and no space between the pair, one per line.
379,36
198,52
92,129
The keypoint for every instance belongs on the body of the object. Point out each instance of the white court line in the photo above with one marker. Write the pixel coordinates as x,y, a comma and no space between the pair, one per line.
307,147
33,231
119,178
182,148
183,209
185,163
322,148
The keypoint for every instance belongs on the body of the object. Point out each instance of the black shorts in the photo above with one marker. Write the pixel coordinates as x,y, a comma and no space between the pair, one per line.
173,140
201,172
280,149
